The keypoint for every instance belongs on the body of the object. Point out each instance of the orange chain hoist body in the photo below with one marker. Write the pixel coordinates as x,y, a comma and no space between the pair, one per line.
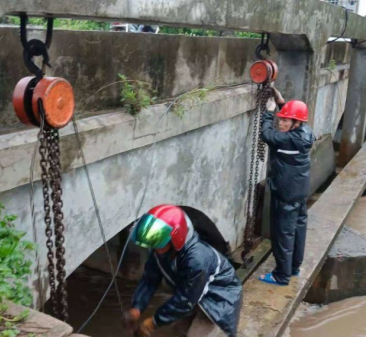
57,97
263,71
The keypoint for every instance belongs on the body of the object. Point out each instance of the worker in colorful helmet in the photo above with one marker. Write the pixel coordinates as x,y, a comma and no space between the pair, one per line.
203,280
289,183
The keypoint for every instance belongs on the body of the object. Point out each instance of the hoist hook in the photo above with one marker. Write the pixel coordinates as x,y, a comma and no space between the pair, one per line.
263,46
35,47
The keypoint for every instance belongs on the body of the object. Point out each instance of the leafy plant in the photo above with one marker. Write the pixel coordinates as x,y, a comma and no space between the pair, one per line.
207,32
63,23
189,99
14,272
332,65
73,24
14,262
9,324
136,95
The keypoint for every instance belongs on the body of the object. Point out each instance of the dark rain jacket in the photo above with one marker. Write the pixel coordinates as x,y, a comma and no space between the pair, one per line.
201,277
289,178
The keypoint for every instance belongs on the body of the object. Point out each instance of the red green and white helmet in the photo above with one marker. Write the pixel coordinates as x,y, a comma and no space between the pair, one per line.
161,225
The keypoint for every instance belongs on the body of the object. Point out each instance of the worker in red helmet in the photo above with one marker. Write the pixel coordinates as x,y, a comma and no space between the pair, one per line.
289,183
203,280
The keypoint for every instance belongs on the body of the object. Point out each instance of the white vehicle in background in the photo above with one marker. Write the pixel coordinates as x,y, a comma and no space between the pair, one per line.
133,28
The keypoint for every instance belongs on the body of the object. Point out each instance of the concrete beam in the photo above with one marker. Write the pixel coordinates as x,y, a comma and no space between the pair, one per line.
267,310
315,19
121,131
299,76
353,130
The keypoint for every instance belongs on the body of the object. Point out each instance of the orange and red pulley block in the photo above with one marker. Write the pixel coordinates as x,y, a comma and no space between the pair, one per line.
38,96
263,71
53,95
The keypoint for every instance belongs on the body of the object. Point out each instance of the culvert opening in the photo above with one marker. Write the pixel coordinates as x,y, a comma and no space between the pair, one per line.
87,284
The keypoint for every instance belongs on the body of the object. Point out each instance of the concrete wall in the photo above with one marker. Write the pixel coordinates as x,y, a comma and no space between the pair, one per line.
90,60
331,100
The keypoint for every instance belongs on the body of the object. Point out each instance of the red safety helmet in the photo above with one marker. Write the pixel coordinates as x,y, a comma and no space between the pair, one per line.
161,225
295,110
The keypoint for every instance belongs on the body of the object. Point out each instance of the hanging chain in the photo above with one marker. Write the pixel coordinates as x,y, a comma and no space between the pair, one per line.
55,175
258,153
43,150
51,176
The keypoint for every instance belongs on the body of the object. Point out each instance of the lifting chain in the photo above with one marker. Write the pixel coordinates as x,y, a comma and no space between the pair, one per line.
258,153
51,177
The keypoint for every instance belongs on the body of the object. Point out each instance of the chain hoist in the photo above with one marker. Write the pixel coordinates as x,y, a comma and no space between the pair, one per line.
262,72
48,103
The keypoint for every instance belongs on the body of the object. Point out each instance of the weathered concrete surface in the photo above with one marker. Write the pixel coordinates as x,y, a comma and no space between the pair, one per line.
40,324
353,130
357,219
331,99
315,19
303,85
304,75
343,274
322,162
172,64
110,134
187,63
267,309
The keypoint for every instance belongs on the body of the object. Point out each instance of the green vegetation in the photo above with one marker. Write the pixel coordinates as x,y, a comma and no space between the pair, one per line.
331,65
14,262
136,95
206,32
186,101
14,273
63,23
96,25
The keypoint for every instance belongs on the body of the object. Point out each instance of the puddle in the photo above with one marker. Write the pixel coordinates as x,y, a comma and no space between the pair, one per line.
340,319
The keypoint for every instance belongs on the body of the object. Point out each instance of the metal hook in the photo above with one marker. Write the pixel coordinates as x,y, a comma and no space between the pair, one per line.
35,47
263,46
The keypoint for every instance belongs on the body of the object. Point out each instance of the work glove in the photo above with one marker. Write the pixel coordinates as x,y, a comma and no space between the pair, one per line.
277,95
271,105
131,317
146,328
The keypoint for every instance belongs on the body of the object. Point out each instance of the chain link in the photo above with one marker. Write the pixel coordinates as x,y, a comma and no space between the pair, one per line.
43,150
55,173
258,153
51,176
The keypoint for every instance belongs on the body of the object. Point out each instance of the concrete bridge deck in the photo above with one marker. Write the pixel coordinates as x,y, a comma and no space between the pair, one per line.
267,309
311,21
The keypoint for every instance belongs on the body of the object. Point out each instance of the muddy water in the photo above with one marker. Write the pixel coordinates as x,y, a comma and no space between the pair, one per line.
346,318
86,286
